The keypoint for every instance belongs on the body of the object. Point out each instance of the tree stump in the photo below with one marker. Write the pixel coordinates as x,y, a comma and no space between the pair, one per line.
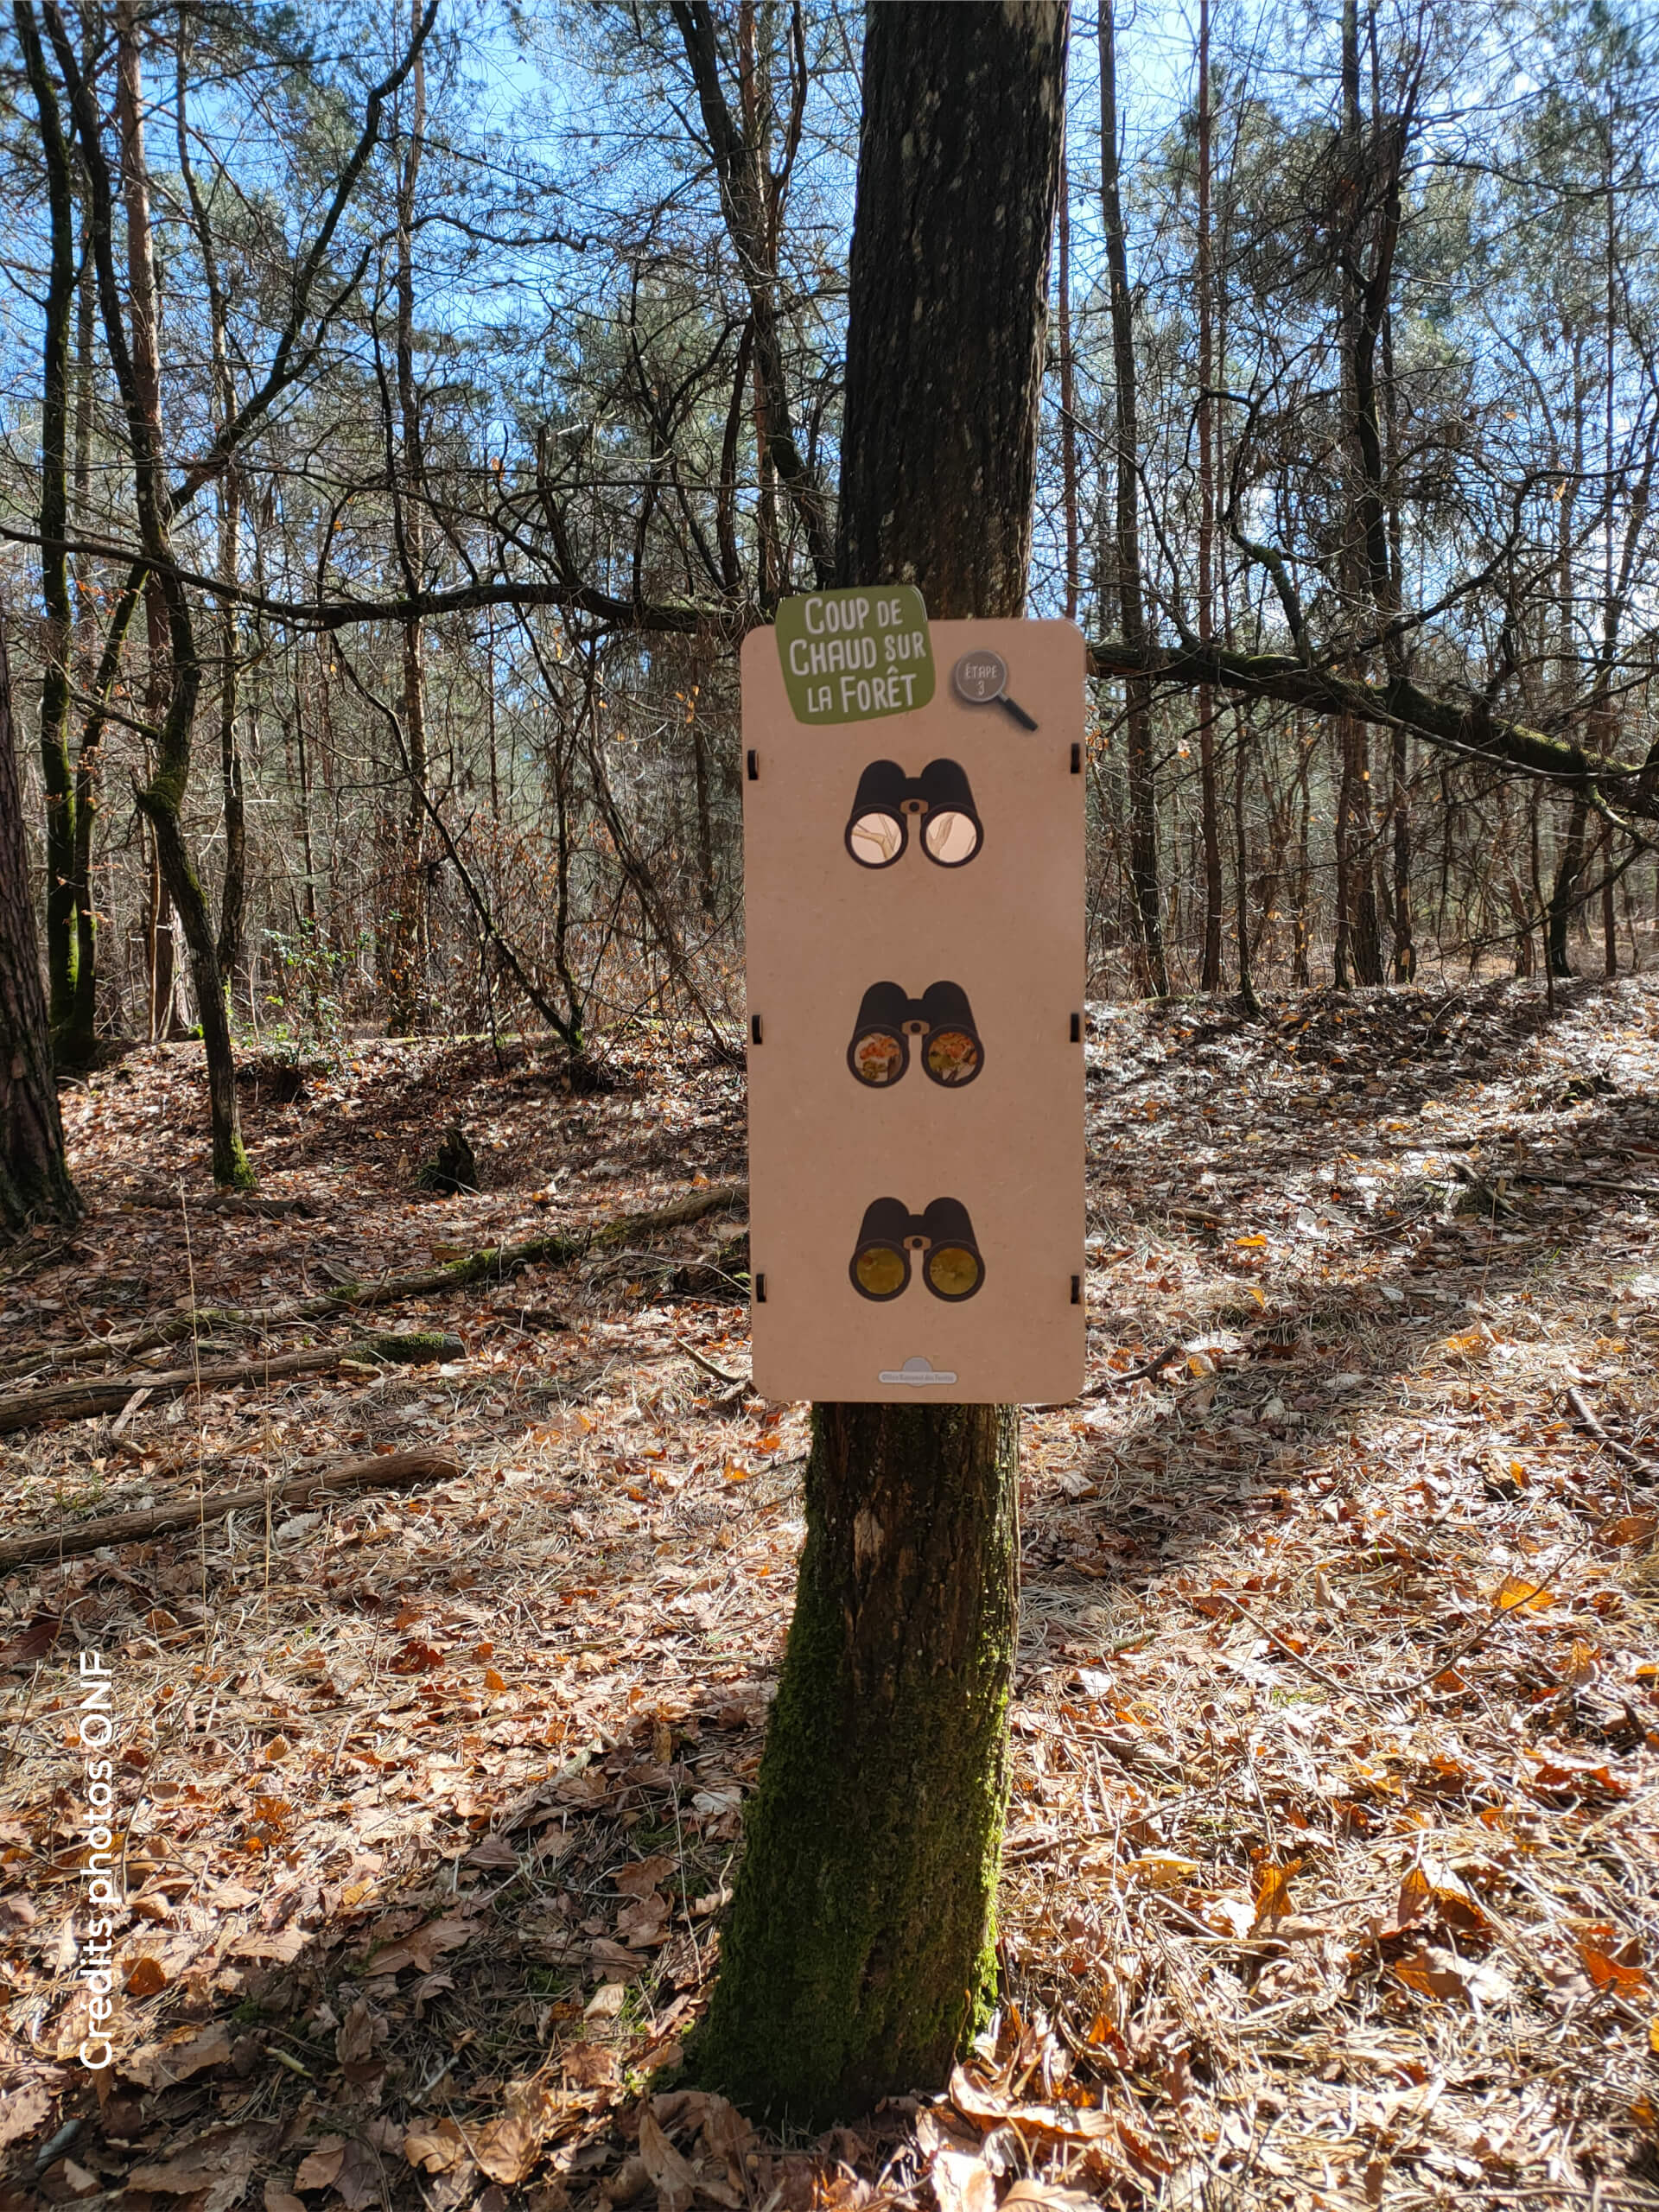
452,1167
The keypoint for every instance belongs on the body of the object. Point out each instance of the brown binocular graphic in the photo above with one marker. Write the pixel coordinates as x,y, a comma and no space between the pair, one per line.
940,801
941,1239
940,1024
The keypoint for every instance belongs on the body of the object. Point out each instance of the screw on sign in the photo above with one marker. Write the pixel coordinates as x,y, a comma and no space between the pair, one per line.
916,1141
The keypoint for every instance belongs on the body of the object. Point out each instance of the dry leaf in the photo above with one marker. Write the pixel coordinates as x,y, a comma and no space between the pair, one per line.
436,2146
589,2066
159,2065
1273,1890
1608,1963
1515,1595
640,1880
217,2167
145,1978
280,2200
493,1851
676,2179
320,2164
988,2109
357,2033
961,2183
506,2149
23,2111
1434,1971
1164,1869
1049,2194
423,1947
643,1920
1628,1529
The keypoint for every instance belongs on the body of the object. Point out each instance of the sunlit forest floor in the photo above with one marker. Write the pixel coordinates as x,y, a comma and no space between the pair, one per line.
1330,1875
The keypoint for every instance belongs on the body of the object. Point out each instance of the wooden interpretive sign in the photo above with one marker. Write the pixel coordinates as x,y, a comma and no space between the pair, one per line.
914,917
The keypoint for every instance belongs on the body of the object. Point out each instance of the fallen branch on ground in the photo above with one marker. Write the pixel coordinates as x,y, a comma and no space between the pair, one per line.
1587,1420
383,1471
78,1401
492,1263
731,1382
1155,1366
1152,1368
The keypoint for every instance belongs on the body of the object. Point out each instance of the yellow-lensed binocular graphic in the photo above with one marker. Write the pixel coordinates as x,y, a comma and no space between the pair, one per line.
941,1240
939,1024
940,801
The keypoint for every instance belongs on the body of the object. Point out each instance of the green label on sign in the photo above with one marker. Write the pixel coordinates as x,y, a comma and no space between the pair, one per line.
851,656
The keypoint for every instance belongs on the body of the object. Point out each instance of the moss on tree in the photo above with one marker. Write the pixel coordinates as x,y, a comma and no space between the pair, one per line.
859,1951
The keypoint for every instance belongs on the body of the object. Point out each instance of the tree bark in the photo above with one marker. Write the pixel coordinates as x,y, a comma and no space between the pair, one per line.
63,940
1131,608
406,975
34,1183
233,890
1209,803
859,1950
136,365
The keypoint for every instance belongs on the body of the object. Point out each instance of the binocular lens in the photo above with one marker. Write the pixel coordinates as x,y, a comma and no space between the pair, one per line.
876,840
951,838
952,1056
880,1271
878,1059
952,1271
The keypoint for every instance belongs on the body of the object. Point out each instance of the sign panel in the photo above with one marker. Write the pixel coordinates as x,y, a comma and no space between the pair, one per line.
854,655
914,914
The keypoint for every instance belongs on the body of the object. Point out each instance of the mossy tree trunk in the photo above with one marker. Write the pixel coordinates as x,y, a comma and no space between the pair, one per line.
34,1183
860,1942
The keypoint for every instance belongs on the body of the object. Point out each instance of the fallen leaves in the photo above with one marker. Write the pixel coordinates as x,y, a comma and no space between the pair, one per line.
423,1947
213,2169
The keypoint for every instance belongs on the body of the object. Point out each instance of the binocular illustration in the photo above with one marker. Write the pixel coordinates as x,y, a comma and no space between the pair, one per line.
940,1024
940,801
941,1240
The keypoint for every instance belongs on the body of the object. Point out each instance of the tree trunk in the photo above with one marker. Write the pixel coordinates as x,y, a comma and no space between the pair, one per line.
137,367
1405,944
34,1182
859,1950
233,893
1137,693
1069,470
1209,802
1564,891
62,941
406,977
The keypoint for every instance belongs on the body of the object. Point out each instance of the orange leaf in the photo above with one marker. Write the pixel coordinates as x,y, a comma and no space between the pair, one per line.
1516,1596
493,1682
1629,1529
1273,1890
146,1978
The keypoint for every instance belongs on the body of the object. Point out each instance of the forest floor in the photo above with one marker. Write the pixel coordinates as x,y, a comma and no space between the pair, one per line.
1329,1877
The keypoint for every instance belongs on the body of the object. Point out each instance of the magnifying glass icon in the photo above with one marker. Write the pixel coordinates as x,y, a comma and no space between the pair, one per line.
980,679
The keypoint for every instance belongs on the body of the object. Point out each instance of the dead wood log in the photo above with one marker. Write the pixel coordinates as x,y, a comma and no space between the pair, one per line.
491,1263
383,1471
78,1401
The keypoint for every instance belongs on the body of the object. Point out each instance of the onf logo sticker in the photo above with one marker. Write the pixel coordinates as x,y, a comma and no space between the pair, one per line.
917,1371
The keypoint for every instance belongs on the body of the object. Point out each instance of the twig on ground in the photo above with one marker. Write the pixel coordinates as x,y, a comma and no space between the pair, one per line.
1587,1420
116,1393
494,1262
382,1471
731,1382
